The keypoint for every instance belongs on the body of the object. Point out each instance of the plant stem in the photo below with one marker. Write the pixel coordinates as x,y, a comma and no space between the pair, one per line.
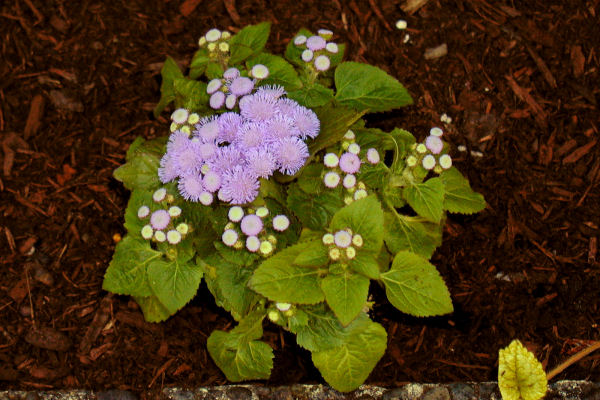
572,360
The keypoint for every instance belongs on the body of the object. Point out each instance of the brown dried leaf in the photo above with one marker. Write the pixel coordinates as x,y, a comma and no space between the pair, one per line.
578,61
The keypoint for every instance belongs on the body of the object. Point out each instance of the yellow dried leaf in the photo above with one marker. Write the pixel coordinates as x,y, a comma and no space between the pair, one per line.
520,375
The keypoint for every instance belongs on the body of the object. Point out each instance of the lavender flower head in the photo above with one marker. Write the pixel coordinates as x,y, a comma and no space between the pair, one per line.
261,161
274,91
258,107
291,154
307,122
315,43
188,158
167,171
434,144
160,219
349,163
229,124
216,100
190,187
207,129
241,86
231,73
251,225
239,186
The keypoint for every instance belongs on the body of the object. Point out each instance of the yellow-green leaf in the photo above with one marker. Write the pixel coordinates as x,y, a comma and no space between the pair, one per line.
520,375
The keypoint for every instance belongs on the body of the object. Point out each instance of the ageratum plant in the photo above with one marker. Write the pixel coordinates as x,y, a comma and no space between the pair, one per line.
271,187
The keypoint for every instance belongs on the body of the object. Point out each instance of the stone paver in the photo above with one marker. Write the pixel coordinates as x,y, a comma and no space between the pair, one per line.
563,390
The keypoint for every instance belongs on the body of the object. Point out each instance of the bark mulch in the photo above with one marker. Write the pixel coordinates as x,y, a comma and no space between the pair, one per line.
78,81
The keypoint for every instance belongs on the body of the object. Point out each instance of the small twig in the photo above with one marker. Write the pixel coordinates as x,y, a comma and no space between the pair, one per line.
572,360
29,292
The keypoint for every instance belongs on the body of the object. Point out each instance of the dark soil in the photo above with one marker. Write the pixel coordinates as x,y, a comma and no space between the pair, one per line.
78,81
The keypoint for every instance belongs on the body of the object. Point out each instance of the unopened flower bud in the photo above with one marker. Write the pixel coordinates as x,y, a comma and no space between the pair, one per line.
331,179
238,245
206,198
283,306
273,315
350,253
183,228
235,214
300,40
173,237
438,169
213,85
229,237
334,254
421,148
160,236
147,232
331,160
260,71
281,223
143,212
252,243
349,135
445,161
174,211
328,239
428,162
348,200
266,248
411,161
354,148
322,63
180,116
173,126
225,35
357,240
213,35
332,47
307,55
224,47
212,46
272,239
349,181
202,41
435,131
325,33
262,212
360,194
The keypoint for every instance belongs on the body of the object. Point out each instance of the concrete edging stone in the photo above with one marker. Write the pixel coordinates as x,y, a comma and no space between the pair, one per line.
562,390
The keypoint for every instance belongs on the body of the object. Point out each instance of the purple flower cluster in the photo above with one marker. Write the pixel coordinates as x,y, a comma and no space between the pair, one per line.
317,49
229,89
227,154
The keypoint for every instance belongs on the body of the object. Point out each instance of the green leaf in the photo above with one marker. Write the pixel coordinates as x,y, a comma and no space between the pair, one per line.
169,72
520,375
368,88
374,176
242,258
214,70
459,197
280,71
174,282
365,263
364,217
228,283
314,211
152,308
238,354
427,199
314,95
141,169
281,281
335,122
310,180
315,254
414,234
346,294
249,41
322,331
347,366
126,273
414,286
191,94
199,62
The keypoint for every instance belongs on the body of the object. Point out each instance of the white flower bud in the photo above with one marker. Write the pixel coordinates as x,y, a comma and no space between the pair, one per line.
193,118
174,211
354,148
331,160
435,131
213,35
173,237
360,194
143,212
428,162
349,135
283,306
160,236
147,232
262,212
445,161
350,253
180,116
328,239
224,47
266,248
331,179
259,71
183,228
357,240
229,237
236,213
334,254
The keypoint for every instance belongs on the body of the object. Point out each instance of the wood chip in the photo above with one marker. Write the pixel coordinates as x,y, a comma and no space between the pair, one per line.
232,11
412,6
578,61
523,95
580,152
48,338
100,319
188,7
36,112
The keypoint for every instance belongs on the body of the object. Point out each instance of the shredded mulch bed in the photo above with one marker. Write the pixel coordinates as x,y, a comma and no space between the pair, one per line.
78,81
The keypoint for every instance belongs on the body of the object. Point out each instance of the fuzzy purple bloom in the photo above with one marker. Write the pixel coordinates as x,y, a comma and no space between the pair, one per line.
177,141
291,154
251,225
211,181
187,159
216,100
349,163
160,219
434,144
230,101
307,122
207,150
229,124
239,185
261,161
190,187
258,107
231,73
167,171
288,106
316,43
241,86
207,129
273,91
280,127
251,134
225,158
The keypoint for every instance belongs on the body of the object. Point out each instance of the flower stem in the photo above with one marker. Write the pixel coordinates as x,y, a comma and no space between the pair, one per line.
572,360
